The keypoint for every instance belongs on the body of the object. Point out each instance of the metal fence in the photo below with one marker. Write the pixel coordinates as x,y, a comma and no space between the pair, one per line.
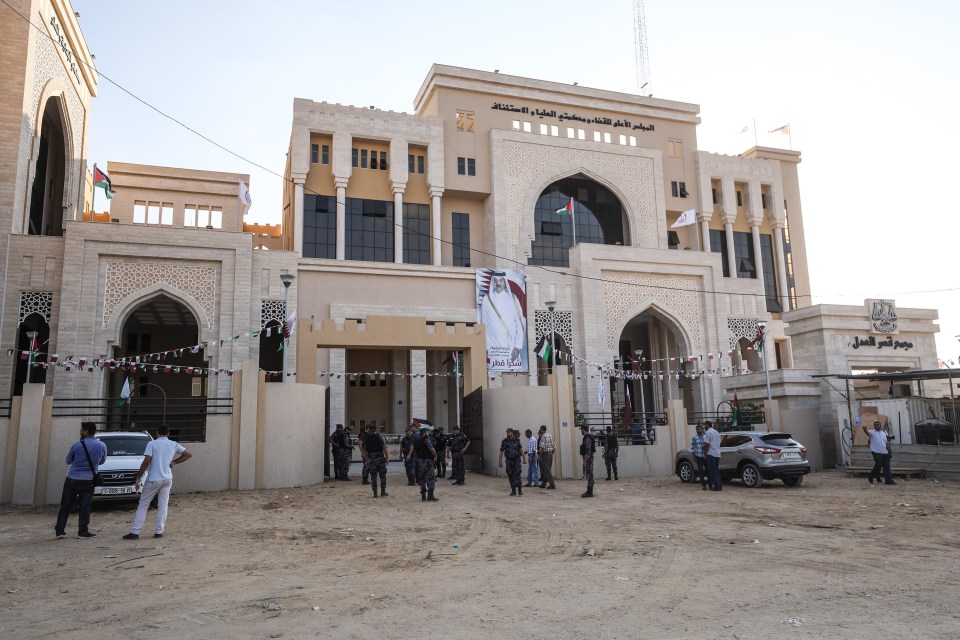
641,430
186,417
723,421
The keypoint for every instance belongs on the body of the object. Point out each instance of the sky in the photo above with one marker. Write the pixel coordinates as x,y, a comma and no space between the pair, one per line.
866,87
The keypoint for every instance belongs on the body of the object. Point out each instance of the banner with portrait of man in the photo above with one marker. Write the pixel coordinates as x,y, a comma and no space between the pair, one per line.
502,309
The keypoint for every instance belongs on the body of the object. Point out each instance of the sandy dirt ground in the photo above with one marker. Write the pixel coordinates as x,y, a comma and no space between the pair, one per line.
645,558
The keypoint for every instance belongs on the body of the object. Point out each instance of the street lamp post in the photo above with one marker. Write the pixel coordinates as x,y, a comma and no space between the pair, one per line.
551,305
32,336
151,384
762,326
287,279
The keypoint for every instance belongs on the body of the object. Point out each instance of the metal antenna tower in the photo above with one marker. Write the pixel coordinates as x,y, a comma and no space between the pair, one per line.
640,44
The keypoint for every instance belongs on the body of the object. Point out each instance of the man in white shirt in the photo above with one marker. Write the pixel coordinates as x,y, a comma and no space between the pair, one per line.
161,454
880,448
711,446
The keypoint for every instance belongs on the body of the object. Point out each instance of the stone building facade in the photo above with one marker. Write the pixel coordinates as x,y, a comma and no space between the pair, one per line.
474,169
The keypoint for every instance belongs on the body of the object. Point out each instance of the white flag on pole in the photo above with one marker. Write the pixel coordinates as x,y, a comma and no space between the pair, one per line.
686,218
244,196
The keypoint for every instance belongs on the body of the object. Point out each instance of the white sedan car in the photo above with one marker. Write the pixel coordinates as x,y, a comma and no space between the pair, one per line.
124,457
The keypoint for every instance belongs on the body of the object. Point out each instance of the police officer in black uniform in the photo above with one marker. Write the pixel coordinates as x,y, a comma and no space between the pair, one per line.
588,447
458,445
340,443
611,449
440,443
426,456
406,446
377,455
511,450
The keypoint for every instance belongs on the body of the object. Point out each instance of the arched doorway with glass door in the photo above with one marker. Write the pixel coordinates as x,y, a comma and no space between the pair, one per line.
654,349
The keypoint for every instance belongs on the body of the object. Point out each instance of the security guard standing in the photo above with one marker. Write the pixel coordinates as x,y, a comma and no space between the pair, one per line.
340,442
458,445
440,441
426,456
511,450
611,449
406,446
587,448
377,455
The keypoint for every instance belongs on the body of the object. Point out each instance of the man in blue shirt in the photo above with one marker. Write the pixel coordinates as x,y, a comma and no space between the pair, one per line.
84,458
159,456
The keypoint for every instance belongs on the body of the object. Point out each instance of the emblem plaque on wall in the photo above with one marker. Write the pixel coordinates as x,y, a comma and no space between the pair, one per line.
883,316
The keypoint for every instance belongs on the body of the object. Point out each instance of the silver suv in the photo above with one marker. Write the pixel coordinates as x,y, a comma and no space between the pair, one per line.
753,456
124,457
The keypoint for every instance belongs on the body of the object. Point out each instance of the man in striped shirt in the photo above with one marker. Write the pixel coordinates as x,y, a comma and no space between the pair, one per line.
696,447
545,448
533,475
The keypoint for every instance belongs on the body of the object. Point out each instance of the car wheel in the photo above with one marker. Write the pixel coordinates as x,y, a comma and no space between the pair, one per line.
750,476
793,482
685,471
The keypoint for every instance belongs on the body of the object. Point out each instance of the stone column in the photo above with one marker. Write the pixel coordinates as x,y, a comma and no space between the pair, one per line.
342,167
441,411
435,225
418,383
400,407
781,258
341,185
728,189
705,232
731,253
398,231
758,258
338,387
298,183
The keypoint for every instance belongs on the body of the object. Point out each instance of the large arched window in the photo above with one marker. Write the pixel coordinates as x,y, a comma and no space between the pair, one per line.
46,196
597,211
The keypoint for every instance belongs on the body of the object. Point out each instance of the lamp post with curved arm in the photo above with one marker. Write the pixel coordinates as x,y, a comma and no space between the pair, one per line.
151,384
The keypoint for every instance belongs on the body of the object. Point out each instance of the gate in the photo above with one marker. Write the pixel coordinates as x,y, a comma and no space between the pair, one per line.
471,423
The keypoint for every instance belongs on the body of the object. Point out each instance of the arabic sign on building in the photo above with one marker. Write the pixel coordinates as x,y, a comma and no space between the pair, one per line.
872,342
883,316
565,116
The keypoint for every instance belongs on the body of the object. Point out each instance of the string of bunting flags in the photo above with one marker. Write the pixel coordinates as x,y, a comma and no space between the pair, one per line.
155,361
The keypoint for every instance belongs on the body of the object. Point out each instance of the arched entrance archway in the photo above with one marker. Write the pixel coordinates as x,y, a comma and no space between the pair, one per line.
271,353
46,195
598,213
32,323
646,344
168,388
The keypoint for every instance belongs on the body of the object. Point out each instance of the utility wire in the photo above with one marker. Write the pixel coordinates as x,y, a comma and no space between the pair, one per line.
554,271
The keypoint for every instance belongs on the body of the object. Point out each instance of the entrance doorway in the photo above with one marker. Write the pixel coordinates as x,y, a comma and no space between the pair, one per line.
646,345
164,370
33,323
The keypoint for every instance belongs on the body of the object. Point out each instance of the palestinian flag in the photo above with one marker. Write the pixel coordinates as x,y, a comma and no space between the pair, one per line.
757,343
567,210
125,392
544,350
101,179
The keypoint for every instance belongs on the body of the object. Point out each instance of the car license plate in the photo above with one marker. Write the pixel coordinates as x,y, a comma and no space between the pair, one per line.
108,491
789,455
